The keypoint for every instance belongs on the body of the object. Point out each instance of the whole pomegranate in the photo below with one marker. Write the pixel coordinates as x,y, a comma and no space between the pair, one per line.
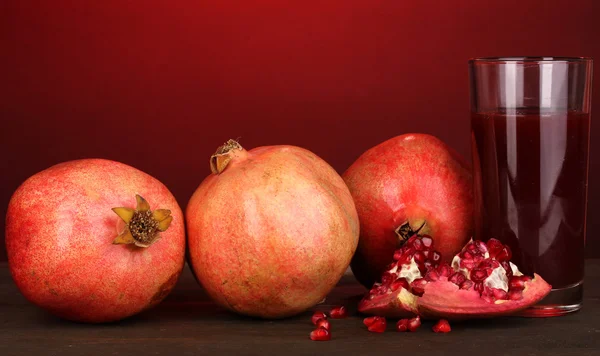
410,184
271,231
94,240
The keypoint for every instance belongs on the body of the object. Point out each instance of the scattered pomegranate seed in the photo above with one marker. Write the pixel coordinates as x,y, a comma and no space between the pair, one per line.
318,315
402,325
338,312
375,324
442,326
414,324
320,334
323,323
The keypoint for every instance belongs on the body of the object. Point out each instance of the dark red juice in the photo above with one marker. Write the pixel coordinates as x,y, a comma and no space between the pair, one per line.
530,169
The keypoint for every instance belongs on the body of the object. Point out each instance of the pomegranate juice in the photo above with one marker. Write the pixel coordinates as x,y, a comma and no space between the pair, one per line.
530,169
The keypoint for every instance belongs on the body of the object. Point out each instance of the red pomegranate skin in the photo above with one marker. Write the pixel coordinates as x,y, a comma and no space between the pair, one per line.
59,233
412,178
272,234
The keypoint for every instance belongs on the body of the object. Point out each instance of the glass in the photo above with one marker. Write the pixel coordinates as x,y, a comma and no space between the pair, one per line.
530,129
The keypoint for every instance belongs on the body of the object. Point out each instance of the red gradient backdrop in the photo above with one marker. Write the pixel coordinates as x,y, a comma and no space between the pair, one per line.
159,85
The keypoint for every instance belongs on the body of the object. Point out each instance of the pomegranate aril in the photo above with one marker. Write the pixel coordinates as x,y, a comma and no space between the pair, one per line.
432,275
316,316
457,278
420,257
478,275
387,278
381,290
402,325
411,241
494,247
397,254
468,263
505,254
320,334
422,268
399,283
515,295
481,246
418,286
499,294
517,282
466,255
323,323
428,265
375,324
436,257
414,324
467,285
507,269
472,248
405,259
427,241
418,245
478,287
442,326
444,270
339,312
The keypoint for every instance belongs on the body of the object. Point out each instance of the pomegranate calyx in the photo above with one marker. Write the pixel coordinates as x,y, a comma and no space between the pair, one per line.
142,226
409,229
224,154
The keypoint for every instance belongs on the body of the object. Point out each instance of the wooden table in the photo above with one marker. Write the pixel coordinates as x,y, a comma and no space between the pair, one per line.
188,323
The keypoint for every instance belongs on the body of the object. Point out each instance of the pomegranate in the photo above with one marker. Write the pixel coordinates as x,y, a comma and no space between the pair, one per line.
271,231
410,184
83,242
442,326
481,282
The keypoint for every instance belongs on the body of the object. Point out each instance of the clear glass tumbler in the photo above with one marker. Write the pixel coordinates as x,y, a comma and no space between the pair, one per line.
530,129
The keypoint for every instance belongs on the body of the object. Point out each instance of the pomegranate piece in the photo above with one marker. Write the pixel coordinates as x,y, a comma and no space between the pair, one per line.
469,288
402,167
316,316
320,334
442,326
94,240
323,323
296,197
339,312
375,324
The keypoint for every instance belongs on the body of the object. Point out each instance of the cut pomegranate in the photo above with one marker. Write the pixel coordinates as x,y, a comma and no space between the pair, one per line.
375,324
320,334
442,326
316,316
338,312
480,282
323,323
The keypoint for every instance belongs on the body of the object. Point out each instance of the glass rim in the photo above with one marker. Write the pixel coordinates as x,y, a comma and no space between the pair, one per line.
528,59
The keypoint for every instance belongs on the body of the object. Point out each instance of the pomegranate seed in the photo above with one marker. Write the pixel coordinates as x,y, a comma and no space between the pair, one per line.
375,324
418,286
444,270
432,275
414,324
420,257
499,294
471,247
515,295
494,247
422,268
518,282
323,323
427,241
466,285
318,315
457,278
467,263
436,257
507,268
466,255
478,275
488,298
402,325
381,290
418,245
442,326
338,312
505,254
410,251
479,287
405,259
411,240
428,265
481,246
387,278
320,334
399,283
397,254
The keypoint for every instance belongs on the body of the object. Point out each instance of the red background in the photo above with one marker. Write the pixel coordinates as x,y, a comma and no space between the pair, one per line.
160,84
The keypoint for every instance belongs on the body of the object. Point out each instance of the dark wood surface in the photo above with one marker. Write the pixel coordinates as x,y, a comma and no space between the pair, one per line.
187,323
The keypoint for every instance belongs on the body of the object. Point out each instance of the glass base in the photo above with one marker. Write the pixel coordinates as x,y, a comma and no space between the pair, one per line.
559,302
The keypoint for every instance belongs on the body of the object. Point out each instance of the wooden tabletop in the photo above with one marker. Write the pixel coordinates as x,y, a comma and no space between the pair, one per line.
188,323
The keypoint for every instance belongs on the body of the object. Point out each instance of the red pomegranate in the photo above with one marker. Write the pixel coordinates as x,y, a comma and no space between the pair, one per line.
481,282
94,240
271,231
410,184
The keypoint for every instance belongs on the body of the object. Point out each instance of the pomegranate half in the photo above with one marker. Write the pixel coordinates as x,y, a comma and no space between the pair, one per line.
410,184
481,282
94,240
271,231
